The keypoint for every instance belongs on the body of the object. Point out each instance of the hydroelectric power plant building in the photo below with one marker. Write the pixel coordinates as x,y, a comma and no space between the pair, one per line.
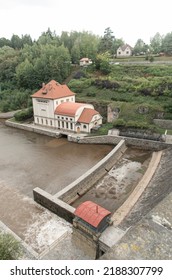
54,106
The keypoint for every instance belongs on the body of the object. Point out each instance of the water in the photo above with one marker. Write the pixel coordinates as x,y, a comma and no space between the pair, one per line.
29,160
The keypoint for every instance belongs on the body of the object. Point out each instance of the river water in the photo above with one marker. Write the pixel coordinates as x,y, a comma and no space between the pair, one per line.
29,160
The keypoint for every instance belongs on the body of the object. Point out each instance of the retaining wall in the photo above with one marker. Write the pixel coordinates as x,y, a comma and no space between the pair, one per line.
32,128
109,139
80,186
54,204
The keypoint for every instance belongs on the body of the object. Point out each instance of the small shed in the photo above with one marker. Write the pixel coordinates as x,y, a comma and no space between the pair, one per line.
91,218
85,61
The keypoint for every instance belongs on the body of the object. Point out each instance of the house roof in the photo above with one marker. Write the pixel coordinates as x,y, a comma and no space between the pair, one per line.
87,115
68,108
85,59
53,90
123,47
91,213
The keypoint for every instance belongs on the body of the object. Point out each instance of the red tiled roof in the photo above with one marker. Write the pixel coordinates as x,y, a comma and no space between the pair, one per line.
53,90
87,115
68,108
91,213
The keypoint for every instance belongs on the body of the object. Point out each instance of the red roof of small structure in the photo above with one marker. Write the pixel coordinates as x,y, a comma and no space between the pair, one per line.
53,90
87,115
91,213
68,108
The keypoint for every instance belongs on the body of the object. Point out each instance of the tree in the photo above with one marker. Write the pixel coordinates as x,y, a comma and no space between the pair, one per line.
9,59
4,42
156,43
16,42
102,63
25,75
167,44
140,47
9,247
106,43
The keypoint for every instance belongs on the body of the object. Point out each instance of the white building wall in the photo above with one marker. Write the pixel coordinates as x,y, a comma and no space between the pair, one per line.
64,99
64,122
126,52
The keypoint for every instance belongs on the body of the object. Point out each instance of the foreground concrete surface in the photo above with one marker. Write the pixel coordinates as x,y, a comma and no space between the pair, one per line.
149,225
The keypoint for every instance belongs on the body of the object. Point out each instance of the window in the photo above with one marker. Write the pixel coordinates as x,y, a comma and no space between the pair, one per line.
42,121
84,126
51,123
59,124
67,125
57,102
62,101
119,52
71,119
37,120
71,126
127,52
67,100
46,122
66,118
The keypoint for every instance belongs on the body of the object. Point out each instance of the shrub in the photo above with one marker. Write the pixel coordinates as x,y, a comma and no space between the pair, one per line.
79,75
91,94
9,247
24,114
119,123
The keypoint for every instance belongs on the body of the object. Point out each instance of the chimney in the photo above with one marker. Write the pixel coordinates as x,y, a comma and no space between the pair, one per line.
97,209
43,85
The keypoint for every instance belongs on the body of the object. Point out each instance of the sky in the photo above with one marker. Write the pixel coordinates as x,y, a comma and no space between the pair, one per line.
128,19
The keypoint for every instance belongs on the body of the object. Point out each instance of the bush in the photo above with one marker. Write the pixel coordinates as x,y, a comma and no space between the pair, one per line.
119,123
24,114
79,75
91,94
9,247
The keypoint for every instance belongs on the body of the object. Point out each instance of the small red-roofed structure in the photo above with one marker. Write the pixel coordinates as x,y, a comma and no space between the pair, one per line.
91,219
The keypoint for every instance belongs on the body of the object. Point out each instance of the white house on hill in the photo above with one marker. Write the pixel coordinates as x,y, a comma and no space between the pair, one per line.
124,51
54,106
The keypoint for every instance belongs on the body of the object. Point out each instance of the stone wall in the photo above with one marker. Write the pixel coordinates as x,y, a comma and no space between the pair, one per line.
54,204
86,181
129,141
166,124
32,128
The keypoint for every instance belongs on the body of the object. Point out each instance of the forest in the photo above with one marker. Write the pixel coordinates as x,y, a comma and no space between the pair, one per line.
25,64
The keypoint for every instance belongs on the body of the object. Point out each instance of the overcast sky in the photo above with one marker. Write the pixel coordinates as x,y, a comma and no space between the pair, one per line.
128,19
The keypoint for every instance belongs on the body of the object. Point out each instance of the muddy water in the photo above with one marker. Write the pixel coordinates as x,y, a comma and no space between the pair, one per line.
29,160
111,191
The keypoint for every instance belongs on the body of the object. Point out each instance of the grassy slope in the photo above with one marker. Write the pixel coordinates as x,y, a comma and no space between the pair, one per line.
133,82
